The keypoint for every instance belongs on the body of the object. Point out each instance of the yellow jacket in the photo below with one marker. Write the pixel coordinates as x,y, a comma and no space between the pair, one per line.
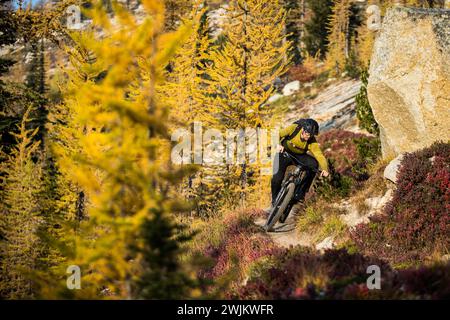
296,145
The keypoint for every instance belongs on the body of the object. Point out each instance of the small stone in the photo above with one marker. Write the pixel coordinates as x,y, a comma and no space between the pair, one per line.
291,87
391,170
327,243
274,98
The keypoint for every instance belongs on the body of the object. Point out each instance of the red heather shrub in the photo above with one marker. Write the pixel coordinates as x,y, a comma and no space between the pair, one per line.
301,73
339,146
426,282
356,291
416,222
297,266
345,277
244,247
242,240
280,282
348,154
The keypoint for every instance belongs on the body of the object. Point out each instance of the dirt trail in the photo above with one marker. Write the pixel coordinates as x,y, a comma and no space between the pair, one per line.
286,235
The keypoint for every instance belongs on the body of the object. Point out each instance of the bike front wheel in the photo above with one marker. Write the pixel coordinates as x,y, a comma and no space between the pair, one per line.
280,206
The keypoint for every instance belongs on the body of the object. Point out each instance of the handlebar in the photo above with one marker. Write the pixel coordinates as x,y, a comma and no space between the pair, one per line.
300,163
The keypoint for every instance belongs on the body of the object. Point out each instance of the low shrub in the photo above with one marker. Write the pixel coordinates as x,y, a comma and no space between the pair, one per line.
364,113
321,218
416,222
322,79
351,68
240,245
333,226
301,73
432,282
300,273
348,150
309,218
337,185
369,152
350,157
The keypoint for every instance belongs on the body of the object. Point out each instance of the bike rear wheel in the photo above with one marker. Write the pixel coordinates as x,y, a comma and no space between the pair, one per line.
280,206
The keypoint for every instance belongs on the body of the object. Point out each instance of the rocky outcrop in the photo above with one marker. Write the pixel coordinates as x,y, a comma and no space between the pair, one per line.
334,107
374,205
409,83
217,19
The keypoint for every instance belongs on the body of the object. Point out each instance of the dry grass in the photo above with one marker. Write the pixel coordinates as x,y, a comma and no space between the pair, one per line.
375,186
333,226
322,219
261,195
311,217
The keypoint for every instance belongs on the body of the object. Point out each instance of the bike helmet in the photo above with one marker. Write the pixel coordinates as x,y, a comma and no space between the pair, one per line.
311,126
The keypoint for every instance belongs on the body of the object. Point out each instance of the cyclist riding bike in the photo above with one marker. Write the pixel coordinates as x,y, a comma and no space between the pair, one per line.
296,140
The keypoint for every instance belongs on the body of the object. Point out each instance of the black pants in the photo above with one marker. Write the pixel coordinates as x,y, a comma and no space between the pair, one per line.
282,161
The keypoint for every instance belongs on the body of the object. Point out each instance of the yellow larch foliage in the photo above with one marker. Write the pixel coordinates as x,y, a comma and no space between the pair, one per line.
21,209
243,71
185,87
185,91
113,145
339,42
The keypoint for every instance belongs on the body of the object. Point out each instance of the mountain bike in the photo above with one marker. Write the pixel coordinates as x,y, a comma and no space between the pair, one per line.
285,198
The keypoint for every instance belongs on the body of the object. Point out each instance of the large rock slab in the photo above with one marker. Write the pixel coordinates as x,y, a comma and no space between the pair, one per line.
333,108
409,83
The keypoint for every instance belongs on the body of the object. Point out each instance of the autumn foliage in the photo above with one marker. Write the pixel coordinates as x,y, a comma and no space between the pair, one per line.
302,274
410,229
87,177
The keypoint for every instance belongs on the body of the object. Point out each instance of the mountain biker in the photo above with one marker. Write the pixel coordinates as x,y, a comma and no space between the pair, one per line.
298,139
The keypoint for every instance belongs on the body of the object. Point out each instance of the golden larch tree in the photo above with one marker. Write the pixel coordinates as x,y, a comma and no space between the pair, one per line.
128,245
21,214
338,39
243,72
186,92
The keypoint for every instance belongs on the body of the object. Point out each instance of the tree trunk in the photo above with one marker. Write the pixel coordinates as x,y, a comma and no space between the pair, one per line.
243,176
347,31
